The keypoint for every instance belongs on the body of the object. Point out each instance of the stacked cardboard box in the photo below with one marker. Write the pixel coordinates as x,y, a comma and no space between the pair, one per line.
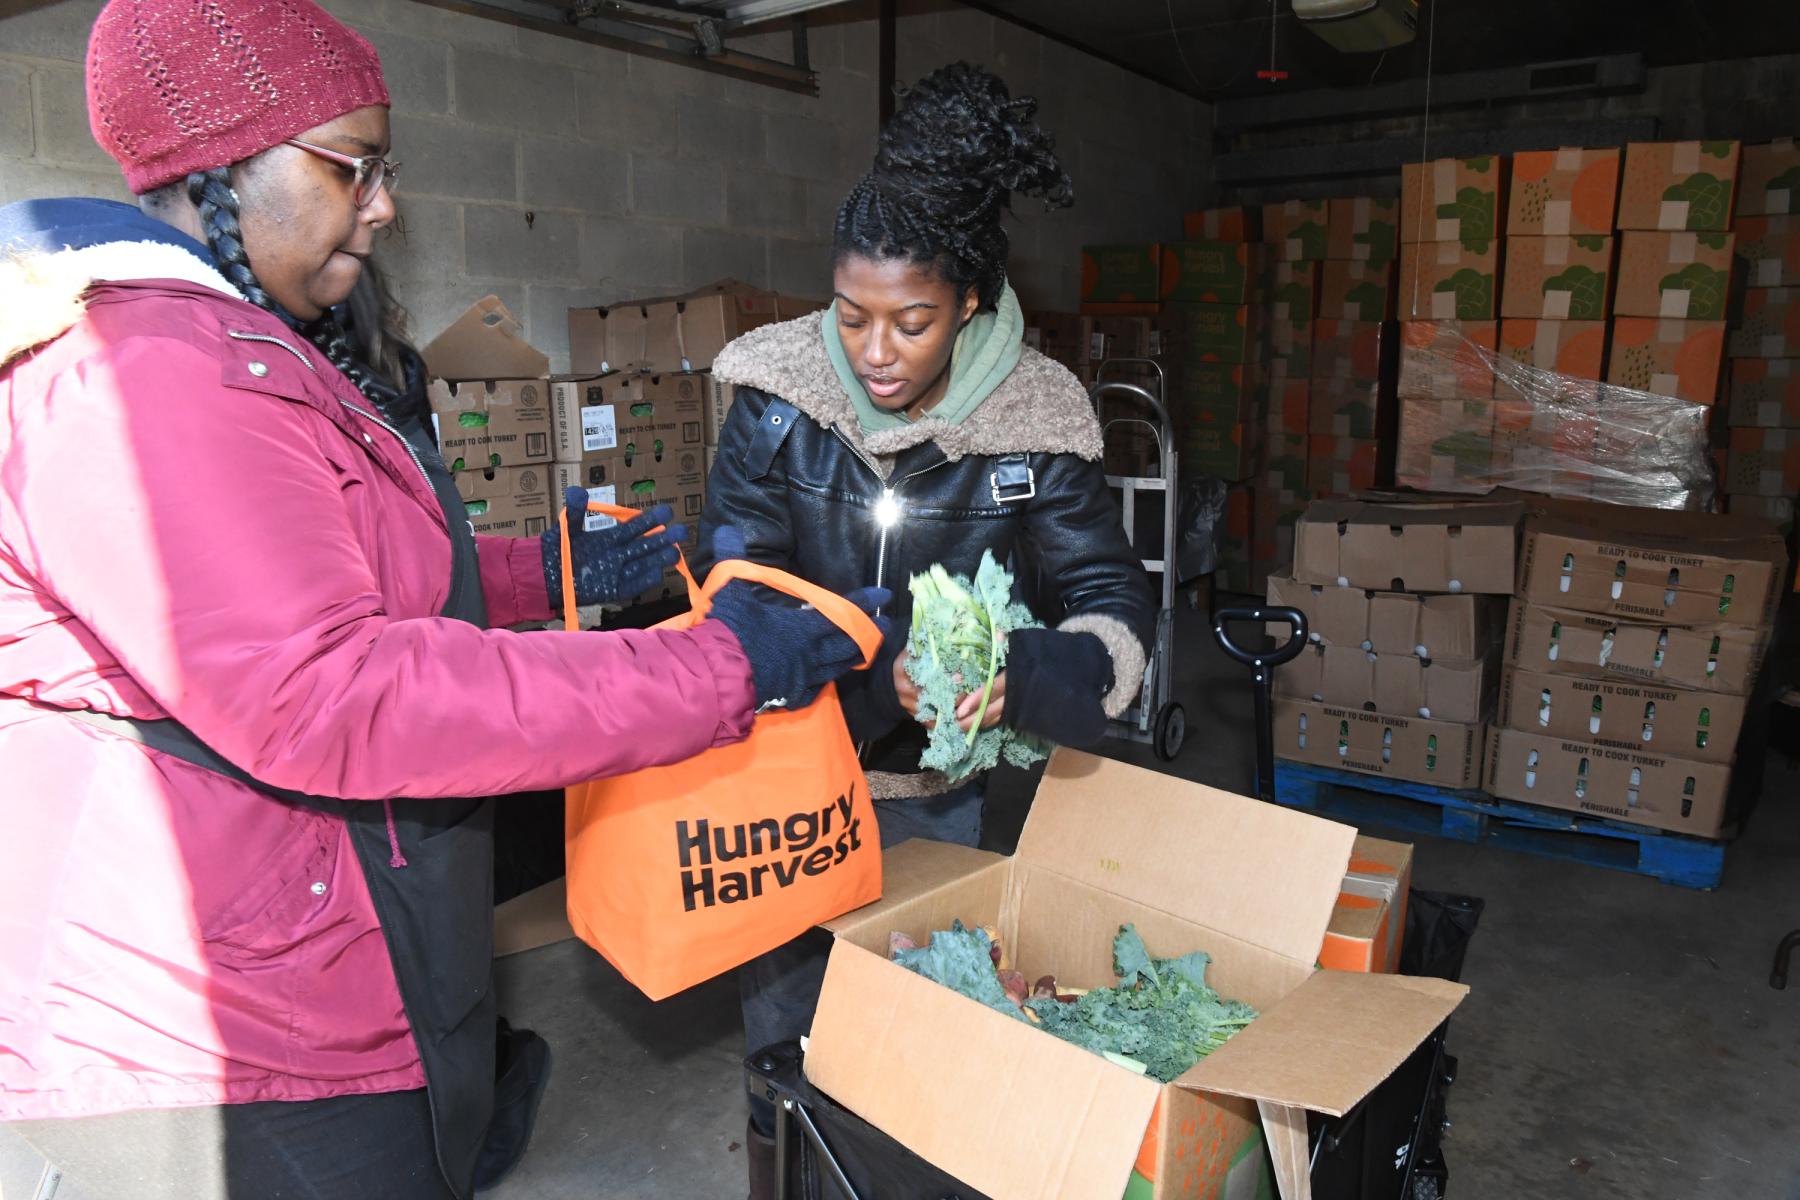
1675,222
1762,410
1082,342
490,412
1633,640
634,440
1405,625
1356,302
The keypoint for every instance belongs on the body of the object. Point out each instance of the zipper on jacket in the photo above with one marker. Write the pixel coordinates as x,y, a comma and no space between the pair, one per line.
241,336
410,452
889,495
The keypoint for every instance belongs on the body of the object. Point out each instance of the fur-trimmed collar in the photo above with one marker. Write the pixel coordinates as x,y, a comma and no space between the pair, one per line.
1041,408
53,251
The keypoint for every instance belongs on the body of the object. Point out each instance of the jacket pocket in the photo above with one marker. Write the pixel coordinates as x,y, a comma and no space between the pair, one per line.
287,892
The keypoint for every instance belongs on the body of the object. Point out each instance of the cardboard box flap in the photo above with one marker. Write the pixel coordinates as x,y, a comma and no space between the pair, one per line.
486,342
910,870
1264,874
951,1098
1329,1042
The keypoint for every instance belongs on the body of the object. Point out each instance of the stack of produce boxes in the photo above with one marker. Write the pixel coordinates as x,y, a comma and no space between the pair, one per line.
1350,340
1405,606
1762,467
1447,298
1632,644
490,413
1555,299
1676,244
1214,332
1121,304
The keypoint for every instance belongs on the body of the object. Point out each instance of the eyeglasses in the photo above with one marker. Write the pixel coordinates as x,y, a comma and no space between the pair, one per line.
371,171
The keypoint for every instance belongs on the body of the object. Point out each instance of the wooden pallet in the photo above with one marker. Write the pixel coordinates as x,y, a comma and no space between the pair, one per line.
1469,816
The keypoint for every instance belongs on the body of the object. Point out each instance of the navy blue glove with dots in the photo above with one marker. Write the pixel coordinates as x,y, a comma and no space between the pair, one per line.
614,564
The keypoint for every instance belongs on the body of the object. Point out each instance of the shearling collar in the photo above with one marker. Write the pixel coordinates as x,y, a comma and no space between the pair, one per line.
1041,408
52,251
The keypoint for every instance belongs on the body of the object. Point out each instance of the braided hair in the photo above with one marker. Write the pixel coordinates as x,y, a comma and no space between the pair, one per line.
212,194
945,169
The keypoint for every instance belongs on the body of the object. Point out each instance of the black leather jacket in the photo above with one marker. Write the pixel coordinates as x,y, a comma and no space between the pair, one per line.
1020,476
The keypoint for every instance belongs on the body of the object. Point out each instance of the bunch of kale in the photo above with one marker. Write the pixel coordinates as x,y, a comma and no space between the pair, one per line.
958,647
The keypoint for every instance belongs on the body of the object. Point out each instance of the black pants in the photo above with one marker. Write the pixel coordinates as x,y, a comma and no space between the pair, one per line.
343,1148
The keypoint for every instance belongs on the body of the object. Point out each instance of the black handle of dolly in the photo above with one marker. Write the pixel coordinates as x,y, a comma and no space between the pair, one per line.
1263,663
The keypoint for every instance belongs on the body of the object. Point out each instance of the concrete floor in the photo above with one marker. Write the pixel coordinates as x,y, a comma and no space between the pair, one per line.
1621,1040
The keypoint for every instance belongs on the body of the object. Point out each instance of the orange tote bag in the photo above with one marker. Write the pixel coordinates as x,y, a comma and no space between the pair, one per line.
678,873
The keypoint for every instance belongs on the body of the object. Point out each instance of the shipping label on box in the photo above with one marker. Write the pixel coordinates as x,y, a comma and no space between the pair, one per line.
1122,273
1770,250
507,501
1460,200
1287,408
1263,941
1677,567
1558,278
1298,229
1213,332
1770,185
1350,739
1621,713
1677,794
1560,193
1460,548
1683,275
1340,466
1710,658
1678,185
1368,922
1236,224
1442,626
1355,291
491,423
1397,684
1446,446
1765,392
1769,325
1448,360
1364,229
1447,281
1289,291
677,479
1667,357
1209,272
1343,409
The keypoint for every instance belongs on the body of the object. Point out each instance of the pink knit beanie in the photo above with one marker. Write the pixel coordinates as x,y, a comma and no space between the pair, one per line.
175,86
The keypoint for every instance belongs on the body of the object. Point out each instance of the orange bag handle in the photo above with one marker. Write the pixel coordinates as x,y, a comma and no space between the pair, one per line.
853,621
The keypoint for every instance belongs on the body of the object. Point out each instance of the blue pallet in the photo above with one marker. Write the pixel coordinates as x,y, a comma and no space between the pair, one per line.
1469,816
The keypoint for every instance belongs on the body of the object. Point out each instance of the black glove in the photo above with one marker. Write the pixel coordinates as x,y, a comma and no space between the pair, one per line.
1056,685
793,652
872,707
612,564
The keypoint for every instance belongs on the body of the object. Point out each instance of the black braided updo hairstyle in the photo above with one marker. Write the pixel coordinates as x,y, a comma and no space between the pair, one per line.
945,169
217,203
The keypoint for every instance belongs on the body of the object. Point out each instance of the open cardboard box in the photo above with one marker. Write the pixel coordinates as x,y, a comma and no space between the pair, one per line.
489,402
1252,884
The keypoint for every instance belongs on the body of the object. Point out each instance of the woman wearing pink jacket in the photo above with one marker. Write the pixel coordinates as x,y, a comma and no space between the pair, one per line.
253,680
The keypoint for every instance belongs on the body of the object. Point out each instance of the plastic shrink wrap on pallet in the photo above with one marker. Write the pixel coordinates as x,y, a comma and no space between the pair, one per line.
1479,413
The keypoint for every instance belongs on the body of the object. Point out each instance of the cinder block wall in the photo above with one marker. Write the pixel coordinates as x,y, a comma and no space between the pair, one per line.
554,173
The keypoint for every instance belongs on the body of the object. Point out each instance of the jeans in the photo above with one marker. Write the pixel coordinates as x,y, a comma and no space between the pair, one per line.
780,989
339,1148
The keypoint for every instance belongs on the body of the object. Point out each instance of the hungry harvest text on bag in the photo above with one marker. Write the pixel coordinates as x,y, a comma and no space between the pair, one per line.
700,844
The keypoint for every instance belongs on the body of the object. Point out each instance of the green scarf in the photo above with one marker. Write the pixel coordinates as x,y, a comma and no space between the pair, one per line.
987,349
